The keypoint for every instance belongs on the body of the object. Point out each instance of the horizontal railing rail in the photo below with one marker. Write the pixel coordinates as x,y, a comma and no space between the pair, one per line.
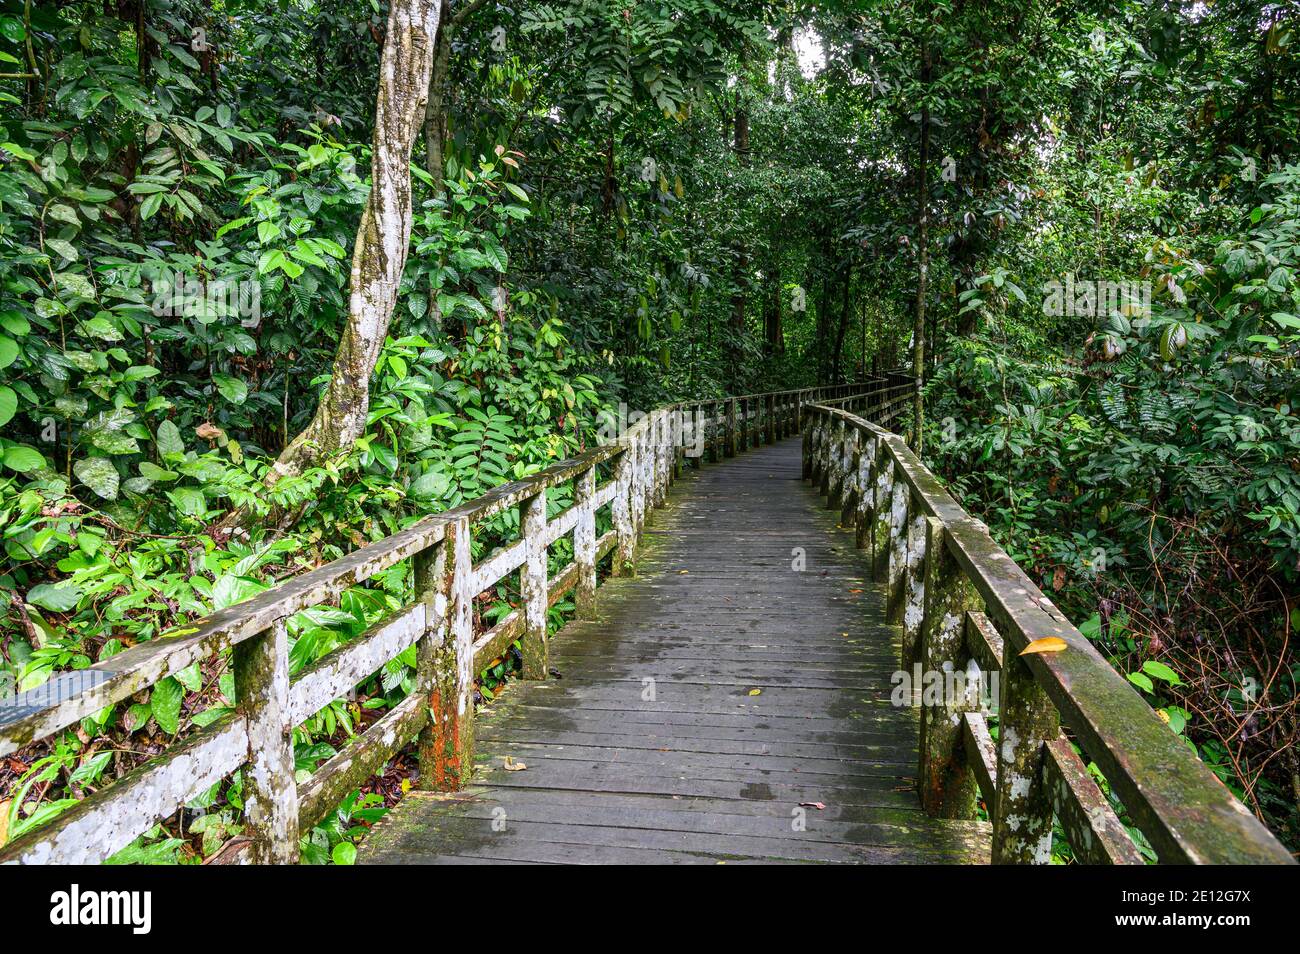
257,736
966,609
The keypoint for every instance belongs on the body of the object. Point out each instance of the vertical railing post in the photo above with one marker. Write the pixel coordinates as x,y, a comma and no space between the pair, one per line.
884,492
1027,721
849,491
670,450
638,479
713,432
445,660
913,589
807,453
864,460
699,436
659,476
654,461
261,671
730,446
621,511
830,444
947,785
898,526
532,586
584,543
811,435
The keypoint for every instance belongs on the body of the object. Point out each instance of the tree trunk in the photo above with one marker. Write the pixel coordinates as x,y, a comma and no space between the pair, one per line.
922,246
740,296
383,237
773,333
838,353
435,128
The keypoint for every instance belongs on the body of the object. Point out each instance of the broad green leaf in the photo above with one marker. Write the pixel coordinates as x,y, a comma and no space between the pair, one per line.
8,404
99,474
168,439
232,389
56,597
165,704
22,458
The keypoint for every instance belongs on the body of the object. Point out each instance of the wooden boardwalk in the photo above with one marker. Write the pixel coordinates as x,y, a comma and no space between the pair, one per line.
718,690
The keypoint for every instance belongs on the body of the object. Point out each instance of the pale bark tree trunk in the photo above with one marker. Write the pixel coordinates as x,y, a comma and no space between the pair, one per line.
741,295
383,238
922,248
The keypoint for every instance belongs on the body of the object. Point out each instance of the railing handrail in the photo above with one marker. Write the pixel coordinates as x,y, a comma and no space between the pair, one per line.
645,460
940,561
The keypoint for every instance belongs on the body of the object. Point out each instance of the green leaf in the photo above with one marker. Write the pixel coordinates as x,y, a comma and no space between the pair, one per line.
1161,671
232,389
344,853
56,597
8,404
99,474
64,213
11,28
64,249
189,501
432,483
165,704
1141,681
150,205
153,472
23,459
114,442
168,439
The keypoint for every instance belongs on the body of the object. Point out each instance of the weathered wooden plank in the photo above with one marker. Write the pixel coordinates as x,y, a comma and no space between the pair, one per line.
332,676
501,562
493,643
1091,826
983,642
360,759
981,754
113,817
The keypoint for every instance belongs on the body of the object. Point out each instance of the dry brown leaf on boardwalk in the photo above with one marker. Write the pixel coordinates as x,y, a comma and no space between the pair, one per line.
513,766
820,806
1048,644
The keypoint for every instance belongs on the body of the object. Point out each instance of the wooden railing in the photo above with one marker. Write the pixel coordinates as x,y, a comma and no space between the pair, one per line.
629,477
965,607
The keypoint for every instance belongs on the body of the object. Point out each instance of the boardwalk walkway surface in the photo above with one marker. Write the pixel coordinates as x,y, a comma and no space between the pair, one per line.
718,690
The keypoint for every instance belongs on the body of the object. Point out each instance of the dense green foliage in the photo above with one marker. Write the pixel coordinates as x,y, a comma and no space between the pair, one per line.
641,201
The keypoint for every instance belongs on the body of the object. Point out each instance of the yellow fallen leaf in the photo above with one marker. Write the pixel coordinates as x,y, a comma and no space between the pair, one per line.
756,692
513,766
1048,644
4,822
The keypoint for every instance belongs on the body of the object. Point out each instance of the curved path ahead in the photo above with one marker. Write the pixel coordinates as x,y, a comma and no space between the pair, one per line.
744,670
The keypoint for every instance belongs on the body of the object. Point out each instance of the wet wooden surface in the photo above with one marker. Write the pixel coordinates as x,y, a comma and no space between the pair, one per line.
743,671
